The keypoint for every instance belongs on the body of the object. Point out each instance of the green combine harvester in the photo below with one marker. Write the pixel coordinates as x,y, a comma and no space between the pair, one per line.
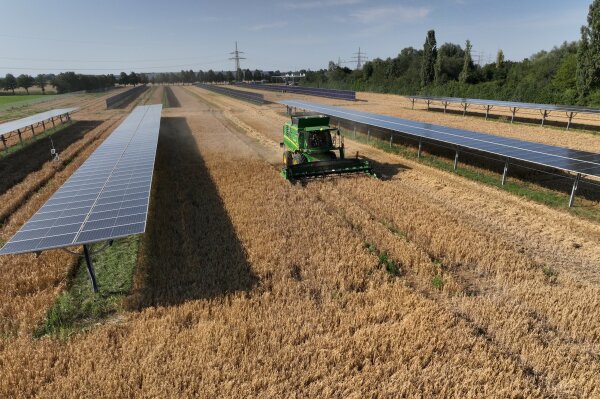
309,150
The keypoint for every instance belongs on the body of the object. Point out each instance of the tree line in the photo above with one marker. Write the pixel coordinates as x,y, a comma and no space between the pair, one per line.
69,81
567,74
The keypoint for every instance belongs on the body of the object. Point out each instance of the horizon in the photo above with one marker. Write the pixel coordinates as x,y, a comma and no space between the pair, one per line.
154,37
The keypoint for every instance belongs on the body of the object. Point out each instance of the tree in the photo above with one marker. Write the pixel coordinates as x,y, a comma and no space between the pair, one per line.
466,76
41,81
429,59
123,79
10,82
588,55
25,81
133,78
500,59
439,64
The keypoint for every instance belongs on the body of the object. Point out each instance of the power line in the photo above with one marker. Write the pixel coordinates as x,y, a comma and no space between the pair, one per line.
237,58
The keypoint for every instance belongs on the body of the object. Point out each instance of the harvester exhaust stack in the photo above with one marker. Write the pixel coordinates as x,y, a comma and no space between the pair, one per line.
310,147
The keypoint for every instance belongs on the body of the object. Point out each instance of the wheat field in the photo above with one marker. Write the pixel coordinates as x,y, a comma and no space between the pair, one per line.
247,286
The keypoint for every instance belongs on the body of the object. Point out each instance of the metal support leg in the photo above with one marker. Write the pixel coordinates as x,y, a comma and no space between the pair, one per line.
90,268
419,150
354,132
544,116
514,111
571,115
445,106
487,111
60,117
68,117
456,161
465,106
53,124
428,105
412,100
5,145
43,126
574,190
368,135
20,136
391,139
505,172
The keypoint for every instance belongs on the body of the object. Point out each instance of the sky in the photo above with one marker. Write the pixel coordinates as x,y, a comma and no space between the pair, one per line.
110,36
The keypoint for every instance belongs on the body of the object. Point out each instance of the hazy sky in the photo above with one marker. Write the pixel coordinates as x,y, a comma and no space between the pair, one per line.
108,36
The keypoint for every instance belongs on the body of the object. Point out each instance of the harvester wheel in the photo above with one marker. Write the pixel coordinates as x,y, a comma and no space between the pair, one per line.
288,160
299,158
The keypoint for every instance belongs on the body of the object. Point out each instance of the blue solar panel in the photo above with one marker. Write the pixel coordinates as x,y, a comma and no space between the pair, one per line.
536,153
12,126
244,95
310,91
106,198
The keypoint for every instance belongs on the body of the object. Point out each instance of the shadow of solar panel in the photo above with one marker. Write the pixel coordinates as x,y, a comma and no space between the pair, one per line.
106,198
535,153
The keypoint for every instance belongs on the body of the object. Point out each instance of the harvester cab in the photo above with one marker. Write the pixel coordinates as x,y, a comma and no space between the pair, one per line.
310,147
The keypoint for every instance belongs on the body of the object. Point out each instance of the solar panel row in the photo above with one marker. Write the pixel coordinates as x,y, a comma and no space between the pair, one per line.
243,95
540,154
311,91
510,104
118,98
22,123
106,198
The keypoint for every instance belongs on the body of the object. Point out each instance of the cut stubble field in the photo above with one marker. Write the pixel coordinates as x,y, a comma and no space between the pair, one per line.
247,286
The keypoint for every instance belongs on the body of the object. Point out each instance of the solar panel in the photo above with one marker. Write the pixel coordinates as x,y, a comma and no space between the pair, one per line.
256,98
311,91
511,104
583,162
12,126
106,198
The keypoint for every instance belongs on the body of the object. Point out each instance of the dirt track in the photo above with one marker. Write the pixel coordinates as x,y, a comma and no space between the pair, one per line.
251,287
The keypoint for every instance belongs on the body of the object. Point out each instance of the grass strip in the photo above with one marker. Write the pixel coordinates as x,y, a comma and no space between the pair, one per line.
78,307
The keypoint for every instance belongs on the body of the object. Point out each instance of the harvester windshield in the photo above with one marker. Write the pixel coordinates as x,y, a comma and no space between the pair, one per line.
319,139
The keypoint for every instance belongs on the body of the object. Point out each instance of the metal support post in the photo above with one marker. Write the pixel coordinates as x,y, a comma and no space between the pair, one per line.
544,116
514,111
487,111
419,150
5,145
53,124
465,106
43,126
90,267
428,104
354,132
60,117
20,136
570,115
574,190
412,100
368,135
505,172
391,139
68,117
456,160
445,106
